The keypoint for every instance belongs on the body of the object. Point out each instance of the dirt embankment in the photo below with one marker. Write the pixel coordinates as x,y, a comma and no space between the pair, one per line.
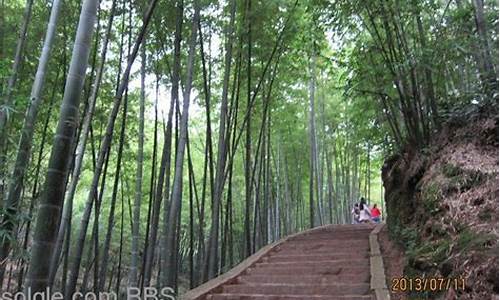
442,207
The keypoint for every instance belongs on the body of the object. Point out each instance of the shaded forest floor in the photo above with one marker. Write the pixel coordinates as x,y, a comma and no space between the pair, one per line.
442,203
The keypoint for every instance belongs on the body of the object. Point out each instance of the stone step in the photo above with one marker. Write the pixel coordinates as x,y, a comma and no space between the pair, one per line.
315,264
278,257
320,252
305,279
347,230
328,270
321,247
345,226
365,247
350,231
329,237
296,289
330,242
285,297
328,263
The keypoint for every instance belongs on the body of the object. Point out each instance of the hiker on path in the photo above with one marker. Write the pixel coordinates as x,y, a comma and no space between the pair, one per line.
365,215
355,214
375,212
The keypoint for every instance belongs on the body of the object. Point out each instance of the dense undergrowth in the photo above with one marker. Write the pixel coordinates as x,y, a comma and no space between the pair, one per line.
442,207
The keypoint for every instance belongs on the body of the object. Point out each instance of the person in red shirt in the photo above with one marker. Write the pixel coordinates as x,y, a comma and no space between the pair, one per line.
375,214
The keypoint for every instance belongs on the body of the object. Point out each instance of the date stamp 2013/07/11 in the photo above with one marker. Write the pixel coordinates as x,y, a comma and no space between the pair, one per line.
425,284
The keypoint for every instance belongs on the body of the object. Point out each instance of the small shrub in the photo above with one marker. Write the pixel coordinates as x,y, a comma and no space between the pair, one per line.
450,170
405,236
469,240
431,196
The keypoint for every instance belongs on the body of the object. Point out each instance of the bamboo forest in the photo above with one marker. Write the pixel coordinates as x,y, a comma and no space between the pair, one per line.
160,149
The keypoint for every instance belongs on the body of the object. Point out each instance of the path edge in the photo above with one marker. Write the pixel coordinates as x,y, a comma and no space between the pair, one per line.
210,286
378,280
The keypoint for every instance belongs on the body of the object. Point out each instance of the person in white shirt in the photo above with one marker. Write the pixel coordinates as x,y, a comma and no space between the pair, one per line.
355,214
365,215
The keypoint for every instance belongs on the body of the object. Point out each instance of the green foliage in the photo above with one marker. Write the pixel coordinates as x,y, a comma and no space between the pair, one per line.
431,197
451,170
460,179
469,240
406,236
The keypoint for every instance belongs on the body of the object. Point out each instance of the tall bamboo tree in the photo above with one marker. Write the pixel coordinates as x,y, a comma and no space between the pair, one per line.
176,195
104,147
53,192
221,150
26,139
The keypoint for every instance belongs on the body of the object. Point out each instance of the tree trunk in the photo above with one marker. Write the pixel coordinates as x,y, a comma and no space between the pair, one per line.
53,191
489,73
24,148
119,273
111,218
221,153
163,178
430,95
331,189
134,252
165,280
80,150
176,196
312,140
207,165
248,135
106,141
25,143
192,193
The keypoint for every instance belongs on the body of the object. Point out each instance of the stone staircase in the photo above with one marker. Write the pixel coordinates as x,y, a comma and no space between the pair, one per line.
325,263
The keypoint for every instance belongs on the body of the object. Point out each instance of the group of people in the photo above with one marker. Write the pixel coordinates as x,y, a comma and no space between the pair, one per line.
362,213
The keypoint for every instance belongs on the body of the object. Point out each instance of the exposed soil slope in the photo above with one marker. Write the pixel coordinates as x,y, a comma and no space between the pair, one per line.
442,204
